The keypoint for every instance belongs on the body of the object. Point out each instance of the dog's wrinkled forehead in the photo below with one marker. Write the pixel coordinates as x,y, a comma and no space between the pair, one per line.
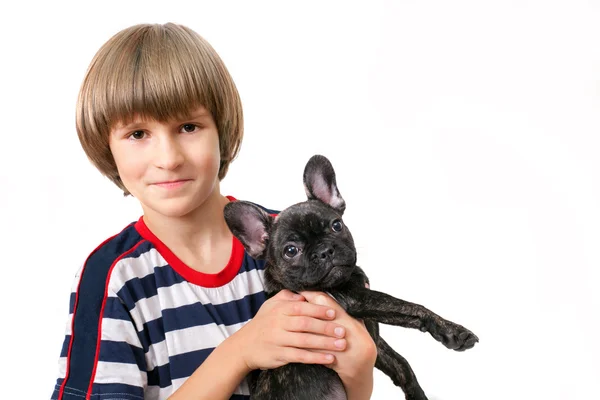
307,220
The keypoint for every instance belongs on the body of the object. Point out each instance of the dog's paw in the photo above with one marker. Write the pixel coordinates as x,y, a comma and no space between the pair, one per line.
456,337
416,394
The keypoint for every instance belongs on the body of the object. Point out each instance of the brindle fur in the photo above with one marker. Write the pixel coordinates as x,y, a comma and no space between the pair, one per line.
328,263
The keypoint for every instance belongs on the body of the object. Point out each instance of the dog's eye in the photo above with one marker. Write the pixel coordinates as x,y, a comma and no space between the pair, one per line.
290,251
337,225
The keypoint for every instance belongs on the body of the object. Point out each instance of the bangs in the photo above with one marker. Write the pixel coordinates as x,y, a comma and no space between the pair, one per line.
158,72
155,73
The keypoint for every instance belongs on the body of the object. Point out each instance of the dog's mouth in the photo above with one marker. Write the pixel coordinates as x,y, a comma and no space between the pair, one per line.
335,276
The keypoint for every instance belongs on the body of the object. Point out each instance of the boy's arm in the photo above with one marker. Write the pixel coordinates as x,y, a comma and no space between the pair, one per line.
283,331
217,377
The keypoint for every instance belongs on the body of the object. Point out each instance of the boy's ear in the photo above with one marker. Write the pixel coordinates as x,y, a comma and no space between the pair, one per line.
251,225
319,183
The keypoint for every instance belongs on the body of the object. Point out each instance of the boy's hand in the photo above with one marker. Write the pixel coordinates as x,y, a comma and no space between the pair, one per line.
355,363
286,329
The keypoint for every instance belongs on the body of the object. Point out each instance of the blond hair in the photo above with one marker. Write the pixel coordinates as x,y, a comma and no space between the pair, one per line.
160,72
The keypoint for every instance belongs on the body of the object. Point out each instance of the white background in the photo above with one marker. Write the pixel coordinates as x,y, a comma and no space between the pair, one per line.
465,139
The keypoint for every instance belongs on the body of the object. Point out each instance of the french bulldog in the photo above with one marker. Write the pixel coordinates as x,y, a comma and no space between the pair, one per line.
308,247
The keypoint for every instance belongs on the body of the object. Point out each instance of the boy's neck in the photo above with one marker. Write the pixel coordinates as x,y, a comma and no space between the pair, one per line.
200,239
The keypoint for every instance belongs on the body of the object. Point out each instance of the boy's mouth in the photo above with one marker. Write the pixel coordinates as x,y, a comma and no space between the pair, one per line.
172,184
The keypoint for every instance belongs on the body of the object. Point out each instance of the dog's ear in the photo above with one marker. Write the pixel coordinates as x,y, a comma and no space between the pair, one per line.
319,183
250,224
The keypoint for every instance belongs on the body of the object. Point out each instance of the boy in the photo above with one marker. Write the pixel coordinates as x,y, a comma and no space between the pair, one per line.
172,306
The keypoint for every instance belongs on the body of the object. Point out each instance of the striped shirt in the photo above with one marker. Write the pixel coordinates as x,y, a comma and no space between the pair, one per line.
141,321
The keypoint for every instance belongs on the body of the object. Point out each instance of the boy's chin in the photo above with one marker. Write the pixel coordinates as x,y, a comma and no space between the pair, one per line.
171,208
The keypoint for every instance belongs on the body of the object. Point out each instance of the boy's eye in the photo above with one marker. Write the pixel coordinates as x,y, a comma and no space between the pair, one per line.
138,135
189,128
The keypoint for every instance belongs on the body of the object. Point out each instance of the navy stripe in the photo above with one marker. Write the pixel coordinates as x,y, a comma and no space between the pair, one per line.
184,365
119,391
87,313
56,390
160,376
72,302
101,391
136,289
141,249
65,348
153,332
197,314
116,310
122,352
167,276
249,264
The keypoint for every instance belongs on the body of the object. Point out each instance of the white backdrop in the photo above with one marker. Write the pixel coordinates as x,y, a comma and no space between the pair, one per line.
465,139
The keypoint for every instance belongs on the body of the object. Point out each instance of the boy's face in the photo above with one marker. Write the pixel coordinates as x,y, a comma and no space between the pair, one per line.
170,167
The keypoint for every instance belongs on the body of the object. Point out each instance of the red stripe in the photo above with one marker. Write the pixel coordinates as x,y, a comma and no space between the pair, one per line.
62,387
221,278
89,392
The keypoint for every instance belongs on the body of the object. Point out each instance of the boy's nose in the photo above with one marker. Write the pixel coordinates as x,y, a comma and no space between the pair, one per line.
168,154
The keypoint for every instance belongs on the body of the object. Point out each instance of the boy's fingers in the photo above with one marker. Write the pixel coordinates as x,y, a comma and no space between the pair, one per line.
302,308
292,355
314,342
317,326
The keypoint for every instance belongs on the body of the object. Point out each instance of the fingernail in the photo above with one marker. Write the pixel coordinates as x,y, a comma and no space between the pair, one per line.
339,343
339,331
329,357
330,313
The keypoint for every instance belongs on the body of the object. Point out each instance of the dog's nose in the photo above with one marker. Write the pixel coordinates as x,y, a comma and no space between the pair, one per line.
323,253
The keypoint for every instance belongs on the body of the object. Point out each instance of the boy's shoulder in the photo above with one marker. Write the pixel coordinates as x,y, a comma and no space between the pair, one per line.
133,241
128,243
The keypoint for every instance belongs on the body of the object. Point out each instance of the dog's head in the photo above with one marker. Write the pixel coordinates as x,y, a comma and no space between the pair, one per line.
307,246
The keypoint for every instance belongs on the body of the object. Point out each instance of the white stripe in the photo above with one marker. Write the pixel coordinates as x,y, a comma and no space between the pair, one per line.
186,340
118,330
158,393
62,367
243,388
69,325
138,267
128,374
146,310
158,354
199,337
242,285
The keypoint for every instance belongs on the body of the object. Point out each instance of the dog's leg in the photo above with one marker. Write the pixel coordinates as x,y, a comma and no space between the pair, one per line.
396,367
381,307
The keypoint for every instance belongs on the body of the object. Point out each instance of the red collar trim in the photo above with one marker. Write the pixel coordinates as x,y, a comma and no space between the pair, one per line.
221,278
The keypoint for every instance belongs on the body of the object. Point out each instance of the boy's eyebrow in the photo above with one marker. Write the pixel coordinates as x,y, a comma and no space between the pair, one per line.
130,125
201,113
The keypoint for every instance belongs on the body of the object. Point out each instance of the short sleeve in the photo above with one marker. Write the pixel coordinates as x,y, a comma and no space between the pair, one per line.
102,356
